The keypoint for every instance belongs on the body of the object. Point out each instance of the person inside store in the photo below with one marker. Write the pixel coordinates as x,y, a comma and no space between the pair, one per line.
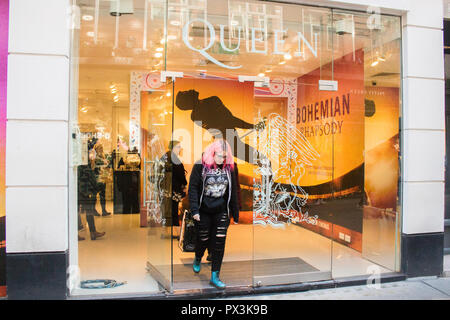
213,200
178,183
87,192
101,167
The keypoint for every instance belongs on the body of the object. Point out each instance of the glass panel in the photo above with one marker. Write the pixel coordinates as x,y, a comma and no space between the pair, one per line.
156,129
313,199
366,213
115,51
205,110
290,244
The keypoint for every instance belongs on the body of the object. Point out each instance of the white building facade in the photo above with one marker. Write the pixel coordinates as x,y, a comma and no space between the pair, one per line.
48,82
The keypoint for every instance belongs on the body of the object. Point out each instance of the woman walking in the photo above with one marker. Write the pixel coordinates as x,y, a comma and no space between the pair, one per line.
213,200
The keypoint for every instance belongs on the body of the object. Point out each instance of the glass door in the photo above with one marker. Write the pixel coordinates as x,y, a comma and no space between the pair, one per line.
291,242
156,129
205,110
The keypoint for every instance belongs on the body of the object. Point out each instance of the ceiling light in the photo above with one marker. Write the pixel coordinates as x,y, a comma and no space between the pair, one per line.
374,63
175,22
168,94
87,17
282,62
90,34
159,49
158,124
84,109
158,55
288,56
381,58
261,74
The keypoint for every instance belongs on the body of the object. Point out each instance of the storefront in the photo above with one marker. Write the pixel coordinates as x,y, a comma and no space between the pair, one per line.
315,101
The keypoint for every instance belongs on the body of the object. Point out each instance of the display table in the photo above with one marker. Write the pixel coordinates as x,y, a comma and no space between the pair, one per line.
126,191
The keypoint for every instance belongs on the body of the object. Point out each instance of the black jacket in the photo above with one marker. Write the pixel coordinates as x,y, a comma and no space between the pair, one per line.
87,183
178,172
196,190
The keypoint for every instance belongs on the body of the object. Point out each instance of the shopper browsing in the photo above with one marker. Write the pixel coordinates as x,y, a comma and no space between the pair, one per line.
172,160
213,200
87,191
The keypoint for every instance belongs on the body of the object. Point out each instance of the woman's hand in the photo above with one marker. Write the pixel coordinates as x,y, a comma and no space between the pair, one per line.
196,217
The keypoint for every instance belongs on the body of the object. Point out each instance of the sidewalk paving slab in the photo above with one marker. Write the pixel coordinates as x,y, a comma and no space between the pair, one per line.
411,289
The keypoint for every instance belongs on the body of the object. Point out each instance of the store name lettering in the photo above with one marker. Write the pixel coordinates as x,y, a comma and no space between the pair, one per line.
278,42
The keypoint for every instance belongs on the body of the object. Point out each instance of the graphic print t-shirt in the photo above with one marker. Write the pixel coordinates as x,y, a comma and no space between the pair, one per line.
215,191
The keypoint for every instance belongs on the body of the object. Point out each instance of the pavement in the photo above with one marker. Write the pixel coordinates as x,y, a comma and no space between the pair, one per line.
423,288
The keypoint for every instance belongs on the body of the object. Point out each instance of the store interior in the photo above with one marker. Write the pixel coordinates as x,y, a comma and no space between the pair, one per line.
122,104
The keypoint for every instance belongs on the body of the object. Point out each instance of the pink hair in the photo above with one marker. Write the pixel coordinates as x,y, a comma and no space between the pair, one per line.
218,146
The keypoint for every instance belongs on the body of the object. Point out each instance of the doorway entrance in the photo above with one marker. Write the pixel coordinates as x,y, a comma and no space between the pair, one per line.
268,246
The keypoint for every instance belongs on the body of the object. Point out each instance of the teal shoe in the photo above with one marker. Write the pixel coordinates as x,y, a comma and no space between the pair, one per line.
215,281
196,266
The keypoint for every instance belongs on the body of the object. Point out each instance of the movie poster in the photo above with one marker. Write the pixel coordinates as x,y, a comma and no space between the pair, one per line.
333,122
194,111
322,146
208,108
355,133
4,18
382,147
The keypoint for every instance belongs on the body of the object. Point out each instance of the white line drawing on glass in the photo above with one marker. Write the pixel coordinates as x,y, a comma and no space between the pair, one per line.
278,198
155,180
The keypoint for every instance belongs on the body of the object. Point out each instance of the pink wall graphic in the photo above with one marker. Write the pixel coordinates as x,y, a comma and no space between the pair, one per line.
4,22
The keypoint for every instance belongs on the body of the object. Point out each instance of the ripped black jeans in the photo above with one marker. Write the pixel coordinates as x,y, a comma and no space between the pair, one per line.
211,233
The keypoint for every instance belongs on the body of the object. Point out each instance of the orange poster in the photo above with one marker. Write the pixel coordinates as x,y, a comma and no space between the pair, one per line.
333,122
382,147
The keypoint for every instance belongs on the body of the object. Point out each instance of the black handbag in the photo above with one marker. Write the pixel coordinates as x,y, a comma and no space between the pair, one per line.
188,233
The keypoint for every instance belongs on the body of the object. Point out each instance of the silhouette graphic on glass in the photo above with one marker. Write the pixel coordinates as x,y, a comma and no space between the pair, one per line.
215,117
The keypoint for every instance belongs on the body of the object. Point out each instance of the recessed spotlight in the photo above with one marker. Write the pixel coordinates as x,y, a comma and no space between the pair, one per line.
261,74
374,63
159,49
87,17
158,55
282,62
288,56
